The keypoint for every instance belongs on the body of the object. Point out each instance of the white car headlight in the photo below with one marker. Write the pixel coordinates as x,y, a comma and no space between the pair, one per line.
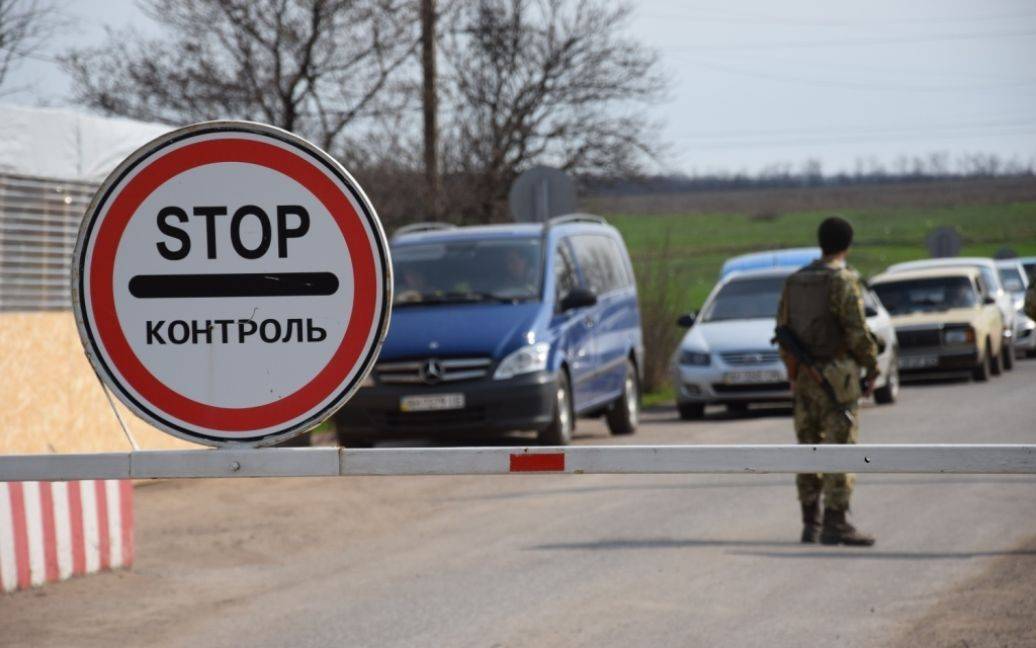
525,360
694,358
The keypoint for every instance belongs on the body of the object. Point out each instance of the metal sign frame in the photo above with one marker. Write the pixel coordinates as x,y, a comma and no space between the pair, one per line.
311,154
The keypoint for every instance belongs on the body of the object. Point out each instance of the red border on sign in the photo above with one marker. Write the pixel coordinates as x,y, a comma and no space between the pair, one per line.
102,299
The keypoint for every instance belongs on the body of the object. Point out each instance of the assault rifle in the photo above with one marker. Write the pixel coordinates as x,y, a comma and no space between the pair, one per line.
793,345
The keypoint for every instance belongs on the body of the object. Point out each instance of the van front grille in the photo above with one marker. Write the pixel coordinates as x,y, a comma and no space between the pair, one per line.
432,371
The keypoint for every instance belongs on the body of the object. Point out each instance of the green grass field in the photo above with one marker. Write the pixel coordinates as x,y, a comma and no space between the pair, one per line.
697,244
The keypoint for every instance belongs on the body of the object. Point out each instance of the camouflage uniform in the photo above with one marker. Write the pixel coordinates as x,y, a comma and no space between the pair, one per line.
817,420
1030,301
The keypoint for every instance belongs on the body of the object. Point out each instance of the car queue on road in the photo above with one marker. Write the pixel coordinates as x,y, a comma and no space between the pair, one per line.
931,318
529,326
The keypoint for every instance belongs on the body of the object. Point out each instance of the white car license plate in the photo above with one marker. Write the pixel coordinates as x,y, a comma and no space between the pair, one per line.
431,403
918,361
753,377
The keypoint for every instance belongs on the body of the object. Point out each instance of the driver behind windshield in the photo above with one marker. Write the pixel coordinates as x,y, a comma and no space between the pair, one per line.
521,275
962,296
467,271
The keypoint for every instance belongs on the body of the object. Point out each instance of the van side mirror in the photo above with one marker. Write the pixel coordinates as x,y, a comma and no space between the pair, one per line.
578,298
687,320
989,300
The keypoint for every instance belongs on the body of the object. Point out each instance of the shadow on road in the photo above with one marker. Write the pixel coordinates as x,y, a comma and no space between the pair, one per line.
833,552
668,414
936,381
760,482
658,543
866,554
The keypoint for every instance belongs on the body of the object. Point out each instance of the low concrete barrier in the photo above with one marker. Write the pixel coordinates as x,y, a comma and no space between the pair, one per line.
51,531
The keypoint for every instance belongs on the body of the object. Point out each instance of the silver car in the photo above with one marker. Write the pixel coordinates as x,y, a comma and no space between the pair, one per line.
1016,282
727,357
1029,263
992,288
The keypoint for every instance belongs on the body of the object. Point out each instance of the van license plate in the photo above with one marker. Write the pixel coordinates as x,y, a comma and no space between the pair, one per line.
431,403
753,377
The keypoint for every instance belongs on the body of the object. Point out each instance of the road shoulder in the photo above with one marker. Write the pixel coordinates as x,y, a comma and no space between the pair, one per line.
996,608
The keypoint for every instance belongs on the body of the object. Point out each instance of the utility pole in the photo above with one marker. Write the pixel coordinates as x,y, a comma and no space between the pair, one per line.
433,185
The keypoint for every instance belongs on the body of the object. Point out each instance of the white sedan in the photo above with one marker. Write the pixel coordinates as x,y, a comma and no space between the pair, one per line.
727,357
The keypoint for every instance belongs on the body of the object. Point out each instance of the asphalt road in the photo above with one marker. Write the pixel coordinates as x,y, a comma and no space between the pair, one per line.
540,560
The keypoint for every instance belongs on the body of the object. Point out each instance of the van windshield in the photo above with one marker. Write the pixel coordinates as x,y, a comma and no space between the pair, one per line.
746,299
936,294
504,270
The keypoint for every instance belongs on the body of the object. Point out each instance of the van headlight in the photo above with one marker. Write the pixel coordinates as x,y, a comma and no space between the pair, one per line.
525,360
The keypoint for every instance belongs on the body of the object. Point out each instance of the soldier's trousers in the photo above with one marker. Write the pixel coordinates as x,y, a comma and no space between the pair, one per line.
817,421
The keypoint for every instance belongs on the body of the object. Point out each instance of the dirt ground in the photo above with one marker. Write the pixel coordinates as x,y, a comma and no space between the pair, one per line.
996,609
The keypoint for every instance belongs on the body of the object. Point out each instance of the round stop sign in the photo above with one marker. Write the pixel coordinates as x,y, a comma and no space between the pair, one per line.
231,283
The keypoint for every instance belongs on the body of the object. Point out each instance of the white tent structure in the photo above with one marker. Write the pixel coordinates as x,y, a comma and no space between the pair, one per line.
51,162
64,144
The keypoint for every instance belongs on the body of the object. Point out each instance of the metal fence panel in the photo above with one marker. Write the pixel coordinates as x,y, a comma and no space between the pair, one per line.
39,220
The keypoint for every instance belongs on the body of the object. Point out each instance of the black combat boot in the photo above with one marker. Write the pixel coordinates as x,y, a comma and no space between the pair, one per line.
837,530
811,523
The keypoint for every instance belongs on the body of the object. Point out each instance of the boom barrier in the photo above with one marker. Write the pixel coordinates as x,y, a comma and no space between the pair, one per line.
577,460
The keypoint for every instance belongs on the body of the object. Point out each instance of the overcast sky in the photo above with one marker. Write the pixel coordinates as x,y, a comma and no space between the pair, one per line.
756,82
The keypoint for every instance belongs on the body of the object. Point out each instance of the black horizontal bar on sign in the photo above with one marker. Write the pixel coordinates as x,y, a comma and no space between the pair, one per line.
260,284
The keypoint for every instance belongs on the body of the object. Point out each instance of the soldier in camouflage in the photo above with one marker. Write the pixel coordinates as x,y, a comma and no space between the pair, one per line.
823,304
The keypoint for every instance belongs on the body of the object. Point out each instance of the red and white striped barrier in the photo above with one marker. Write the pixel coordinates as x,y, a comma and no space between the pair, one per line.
571,460
50,531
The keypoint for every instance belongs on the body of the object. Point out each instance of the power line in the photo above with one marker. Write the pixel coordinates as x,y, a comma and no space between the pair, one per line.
849,69
862,84
735,17
853,139
847,42
866,129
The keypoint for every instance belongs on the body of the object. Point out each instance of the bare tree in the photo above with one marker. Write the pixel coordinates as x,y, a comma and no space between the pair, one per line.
552,81
310,66
25,26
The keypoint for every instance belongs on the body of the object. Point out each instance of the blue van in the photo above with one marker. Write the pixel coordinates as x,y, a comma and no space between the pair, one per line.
518,327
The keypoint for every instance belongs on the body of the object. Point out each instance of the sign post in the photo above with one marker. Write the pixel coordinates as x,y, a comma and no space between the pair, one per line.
231,284
943,242
541,193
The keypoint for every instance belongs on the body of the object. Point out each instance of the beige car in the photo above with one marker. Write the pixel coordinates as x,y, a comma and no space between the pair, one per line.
945,320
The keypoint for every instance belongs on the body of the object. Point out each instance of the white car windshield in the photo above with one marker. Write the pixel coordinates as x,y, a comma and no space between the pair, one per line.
918,295
1012,280
506,269
750,298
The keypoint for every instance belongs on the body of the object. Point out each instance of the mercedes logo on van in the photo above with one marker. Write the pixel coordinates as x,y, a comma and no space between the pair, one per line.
431,372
